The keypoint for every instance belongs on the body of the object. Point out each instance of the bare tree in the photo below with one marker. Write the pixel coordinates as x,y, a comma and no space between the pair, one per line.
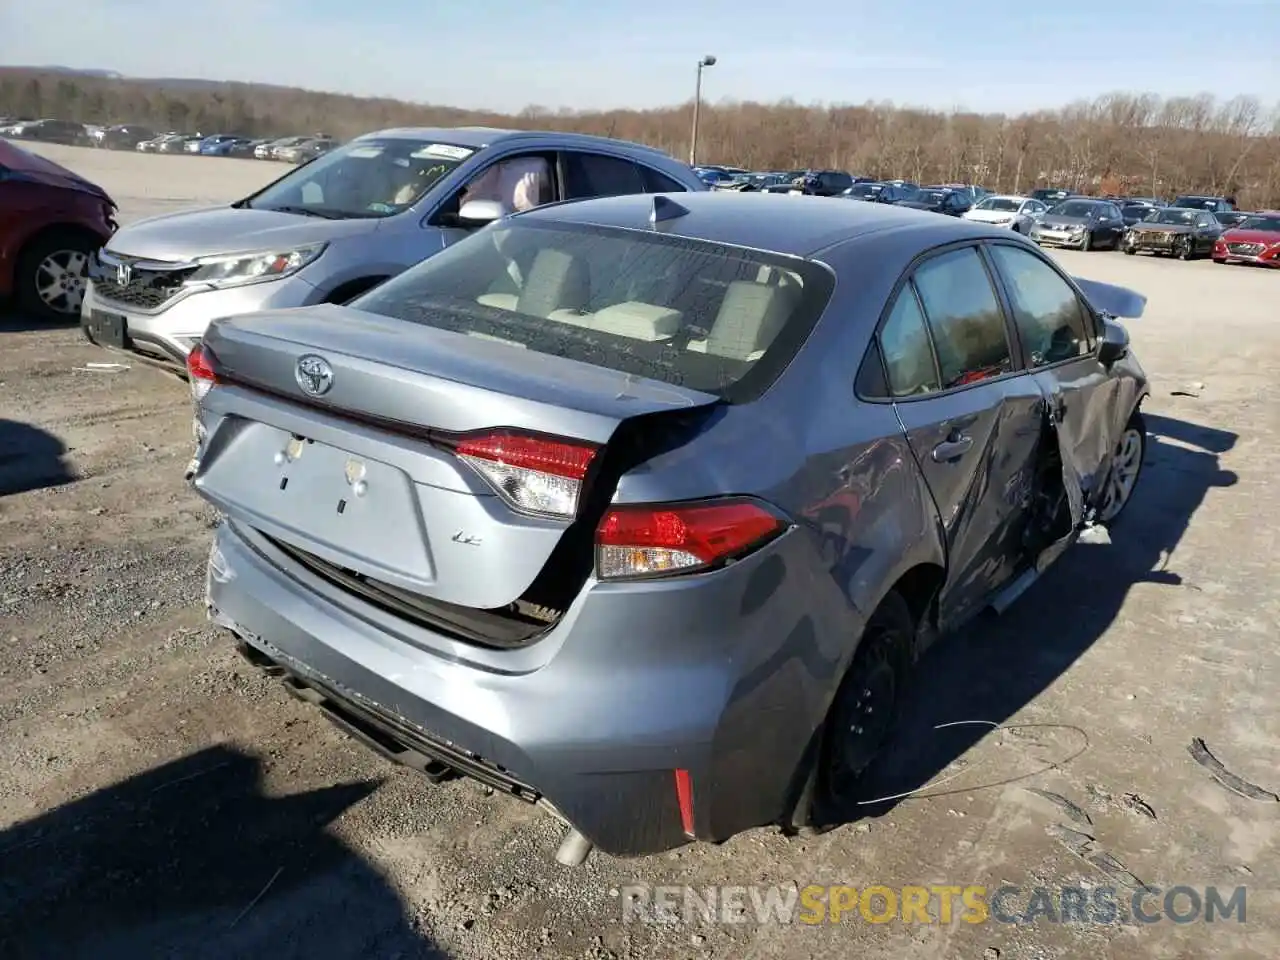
1119,141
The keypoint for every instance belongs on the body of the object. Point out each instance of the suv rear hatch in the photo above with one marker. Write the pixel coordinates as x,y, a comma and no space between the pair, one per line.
446,476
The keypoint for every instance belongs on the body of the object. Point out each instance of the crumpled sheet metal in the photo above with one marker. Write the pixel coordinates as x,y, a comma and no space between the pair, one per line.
1074,477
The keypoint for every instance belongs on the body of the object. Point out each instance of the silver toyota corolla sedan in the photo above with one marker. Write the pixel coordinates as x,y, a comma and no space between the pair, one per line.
333,228
622,506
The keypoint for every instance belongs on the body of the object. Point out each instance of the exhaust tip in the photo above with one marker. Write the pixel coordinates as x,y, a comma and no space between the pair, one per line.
574,849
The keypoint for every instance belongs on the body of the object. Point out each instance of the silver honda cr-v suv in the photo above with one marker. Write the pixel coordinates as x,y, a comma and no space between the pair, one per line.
333,228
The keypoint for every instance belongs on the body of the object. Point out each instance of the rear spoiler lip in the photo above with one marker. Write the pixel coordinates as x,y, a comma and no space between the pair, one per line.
1112,299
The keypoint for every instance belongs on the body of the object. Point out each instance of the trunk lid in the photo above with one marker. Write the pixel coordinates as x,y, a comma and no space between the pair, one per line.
366,476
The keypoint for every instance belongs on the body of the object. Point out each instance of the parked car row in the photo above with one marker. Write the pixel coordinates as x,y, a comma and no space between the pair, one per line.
132,136
287,149
47,130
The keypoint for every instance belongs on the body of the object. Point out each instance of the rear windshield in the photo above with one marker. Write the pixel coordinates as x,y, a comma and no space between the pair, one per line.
710,317
1000,204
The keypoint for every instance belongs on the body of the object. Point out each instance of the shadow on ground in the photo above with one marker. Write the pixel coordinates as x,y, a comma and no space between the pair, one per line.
13,320
30,459
192,860
993,668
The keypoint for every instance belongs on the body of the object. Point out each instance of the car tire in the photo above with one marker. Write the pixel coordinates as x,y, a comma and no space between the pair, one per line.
1086,242
49,282
864,709
1129,249
1184,248
1125,470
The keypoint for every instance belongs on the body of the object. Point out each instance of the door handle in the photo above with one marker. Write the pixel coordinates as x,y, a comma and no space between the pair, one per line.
957,445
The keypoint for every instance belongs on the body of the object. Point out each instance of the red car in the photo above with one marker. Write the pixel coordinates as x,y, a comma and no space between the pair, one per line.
51,222
1256,240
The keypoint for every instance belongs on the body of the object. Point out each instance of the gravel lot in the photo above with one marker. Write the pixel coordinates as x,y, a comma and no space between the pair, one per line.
159,798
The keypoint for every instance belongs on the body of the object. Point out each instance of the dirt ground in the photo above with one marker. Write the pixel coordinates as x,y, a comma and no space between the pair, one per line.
159,798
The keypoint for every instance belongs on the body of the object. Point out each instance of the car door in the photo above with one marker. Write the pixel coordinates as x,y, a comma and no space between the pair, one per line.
1058,332
1208,230
971,418
1114,222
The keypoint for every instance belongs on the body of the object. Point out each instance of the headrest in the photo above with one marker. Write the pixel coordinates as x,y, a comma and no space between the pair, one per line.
556,281
750,316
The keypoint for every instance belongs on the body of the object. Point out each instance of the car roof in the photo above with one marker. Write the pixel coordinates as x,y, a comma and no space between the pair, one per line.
795,225
481,137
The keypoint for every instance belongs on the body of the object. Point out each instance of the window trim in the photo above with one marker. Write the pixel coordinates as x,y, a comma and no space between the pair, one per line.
1090,315
908,289
1019,367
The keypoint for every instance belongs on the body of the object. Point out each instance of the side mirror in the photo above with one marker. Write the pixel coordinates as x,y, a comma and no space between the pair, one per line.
1114,344
480,213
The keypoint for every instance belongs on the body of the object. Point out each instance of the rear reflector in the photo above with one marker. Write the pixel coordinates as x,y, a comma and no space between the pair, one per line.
537,475
650,540
684,797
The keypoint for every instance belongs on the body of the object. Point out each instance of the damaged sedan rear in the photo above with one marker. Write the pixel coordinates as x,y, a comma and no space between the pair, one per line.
641,509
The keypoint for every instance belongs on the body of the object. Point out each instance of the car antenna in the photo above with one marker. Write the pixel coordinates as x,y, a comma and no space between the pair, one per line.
664,209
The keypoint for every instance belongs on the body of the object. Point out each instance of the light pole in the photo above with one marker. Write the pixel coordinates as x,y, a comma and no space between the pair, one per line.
707,61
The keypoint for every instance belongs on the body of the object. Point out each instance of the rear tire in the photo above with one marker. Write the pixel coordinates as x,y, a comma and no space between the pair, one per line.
864,710
50,280
1126,470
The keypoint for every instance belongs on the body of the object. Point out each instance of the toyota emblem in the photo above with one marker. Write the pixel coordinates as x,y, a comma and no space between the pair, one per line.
314,375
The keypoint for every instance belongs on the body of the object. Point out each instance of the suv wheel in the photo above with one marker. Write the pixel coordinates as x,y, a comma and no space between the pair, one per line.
50,279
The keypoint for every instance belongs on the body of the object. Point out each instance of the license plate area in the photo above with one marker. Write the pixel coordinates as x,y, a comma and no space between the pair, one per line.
108,329
351,511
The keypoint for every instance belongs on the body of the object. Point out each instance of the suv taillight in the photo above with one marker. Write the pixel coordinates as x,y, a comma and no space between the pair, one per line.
651,540
533,474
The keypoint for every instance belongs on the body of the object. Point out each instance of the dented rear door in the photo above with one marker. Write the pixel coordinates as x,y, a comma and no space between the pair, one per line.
977,450
974,426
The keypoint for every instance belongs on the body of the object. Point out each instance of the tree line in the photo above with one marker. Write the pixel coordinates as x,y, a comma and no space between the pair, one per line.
1121,143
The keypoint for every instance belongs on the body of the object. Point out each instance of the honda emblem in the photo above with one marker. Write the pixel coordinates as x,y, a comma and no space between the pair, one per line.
124,273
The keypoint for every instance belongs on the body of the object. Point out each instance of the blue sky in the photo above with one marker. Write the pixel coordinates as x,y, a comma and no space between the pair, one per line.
988,55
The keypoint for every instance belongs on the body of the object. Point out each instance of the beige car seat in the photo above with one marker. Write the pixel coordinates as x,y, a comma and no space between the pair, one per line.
556,281
749,318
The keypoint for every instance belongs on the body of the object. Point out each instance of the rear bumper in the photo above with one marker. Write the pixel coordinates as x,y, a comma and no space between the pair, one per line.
630,685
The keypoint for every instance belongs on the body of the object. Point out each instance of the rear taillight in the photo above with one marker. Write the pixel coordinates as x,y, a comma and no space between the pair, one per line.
202,374
648,540
533,474
202,371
